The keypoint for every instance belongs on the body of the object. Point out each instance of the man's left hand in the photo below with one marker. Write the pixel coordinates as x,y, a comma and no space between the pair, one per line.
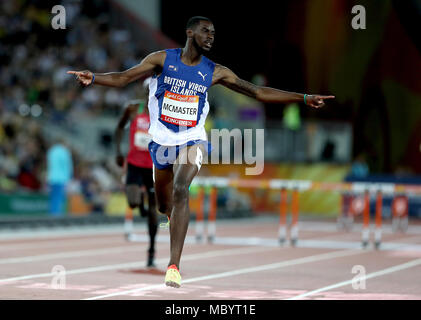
316,101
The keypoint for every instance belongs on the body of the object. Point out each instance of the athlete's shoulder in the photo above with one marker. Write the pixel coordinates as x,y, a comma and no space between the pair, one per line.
221,72
157,57
221,68
162,53
172,54
172,50
209,62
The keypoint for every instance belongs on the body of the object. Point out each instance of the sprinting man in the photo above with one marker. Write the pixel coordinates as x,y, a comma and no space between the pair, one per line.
178,108
139,181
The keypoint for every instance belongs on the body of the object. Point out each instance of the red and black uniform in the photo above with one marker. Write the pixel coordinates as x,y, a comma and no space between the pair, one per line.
139,162
140,172
139,139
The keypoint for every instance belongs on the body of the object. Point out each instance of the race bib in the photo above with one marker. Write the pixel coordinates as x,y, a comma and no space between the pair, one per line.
180,109
141,140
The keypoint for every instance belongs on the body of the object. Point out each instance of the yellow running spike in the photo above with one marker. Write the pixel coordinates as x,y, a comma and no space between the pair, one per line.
173,277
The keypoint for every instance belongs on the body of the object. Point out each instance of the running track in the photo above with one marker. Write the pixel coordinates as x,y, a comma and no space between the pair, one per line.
245,262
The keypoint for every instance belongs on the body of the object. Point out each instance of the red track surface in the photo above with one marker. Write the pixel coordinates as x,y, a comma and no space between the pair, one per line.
245,262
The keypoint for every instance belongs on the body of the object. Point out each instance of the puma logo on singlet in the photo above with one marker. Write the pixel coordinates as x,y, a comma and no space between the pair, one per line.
201,74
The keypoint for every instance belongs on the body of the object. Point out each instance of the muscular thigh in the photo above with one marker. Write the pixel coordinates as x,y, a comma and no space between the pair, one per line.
188,164
183,171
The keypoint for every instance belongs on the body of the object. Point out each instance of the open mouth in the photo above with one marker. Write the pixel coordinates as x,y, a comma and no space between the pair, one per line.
208,44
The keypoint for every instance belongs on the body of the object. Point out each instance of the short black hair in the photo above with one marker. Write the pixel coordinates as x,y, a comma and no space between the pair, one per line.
194,21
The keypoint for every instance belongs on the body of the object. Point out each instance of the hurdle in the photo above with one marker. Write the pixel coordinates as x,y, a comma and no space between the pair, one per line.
295,187
366,220
200,215
378,220
345,218
400,213
213,205
295,209
351,205
283,207
298,186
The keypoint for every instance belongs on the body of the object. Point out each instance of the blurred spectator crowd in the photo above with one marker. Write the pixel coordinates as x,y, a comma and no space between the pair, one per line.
23,151
35,88
34,58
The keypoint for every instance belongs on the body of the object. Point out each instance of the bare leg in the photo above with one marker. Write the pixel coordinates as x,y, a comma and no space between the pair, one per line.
152,226
163,190
184,172
135,198
133,194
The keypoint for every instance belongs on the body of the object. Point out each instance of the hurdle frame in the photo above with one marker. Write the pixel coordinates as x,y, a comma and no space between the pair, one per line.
297,186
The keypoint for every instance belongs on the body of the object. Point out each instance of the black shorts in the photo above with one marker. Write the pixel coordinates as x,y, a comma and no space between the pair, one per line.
139,176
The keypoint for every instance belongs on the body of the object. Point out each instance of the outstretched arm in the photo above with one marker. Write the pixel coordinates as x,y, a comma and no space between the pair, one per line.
149,64
229,79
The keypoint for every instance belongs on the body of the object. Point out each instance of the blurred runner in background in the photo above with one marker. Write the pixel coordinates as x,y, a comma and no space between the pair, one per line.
138,163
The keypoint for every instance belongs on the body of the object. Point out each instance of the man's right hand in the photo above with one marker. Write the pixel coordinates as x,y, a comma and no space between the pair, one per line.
84,77
119,159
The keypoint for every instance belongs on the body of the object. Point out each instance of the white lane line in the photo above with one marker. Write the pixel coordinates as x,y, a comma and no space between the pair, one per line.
240,241
57,243
70,254
137,264
62,232
379,273
142,238
283,264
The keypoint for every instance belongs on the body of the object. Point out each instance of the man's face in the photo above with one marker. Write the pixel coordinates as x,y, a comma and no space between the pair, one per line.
204,35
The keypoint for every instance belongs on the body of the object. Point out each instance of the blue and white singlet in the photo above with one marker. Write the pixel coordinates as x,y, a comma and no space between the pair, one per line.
178,104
